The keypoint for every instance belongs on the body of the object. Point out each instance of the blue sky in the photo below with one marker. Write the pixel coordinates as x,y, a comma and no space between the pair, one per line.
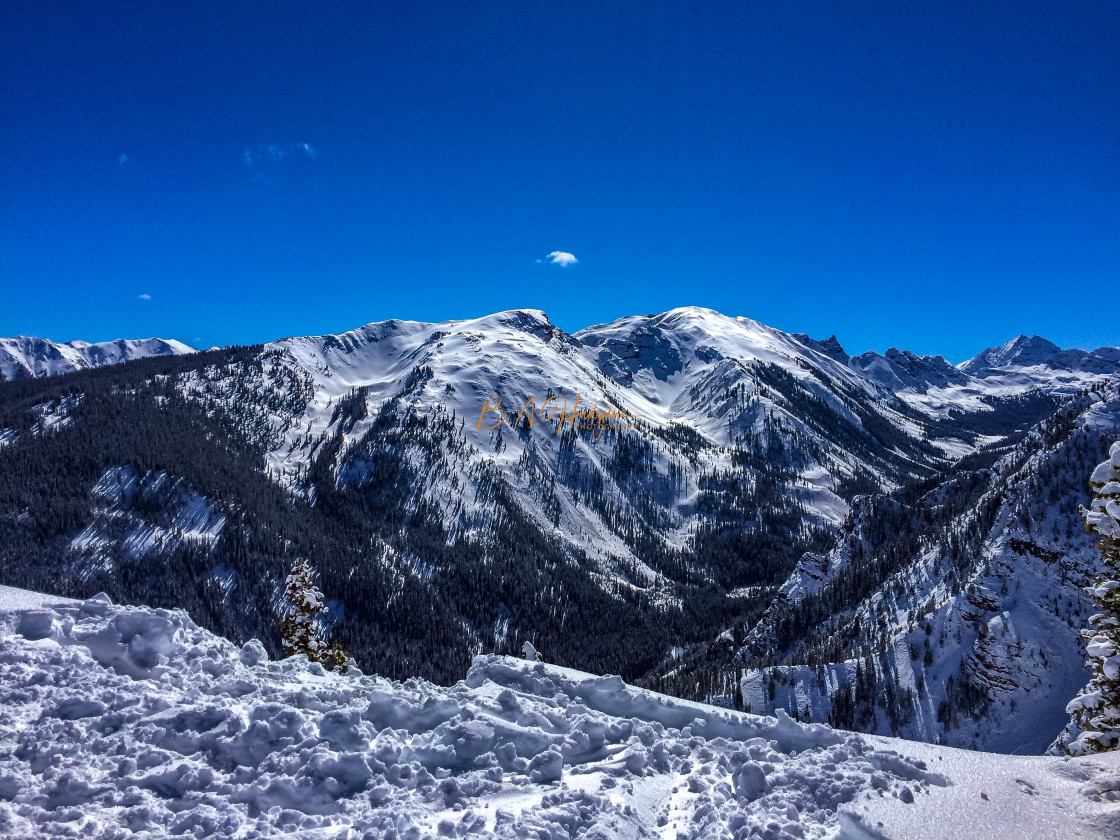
938,177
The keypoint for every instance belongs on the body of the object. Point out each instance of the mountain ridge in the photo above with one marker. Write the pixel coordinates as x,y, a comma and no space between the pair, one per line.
895,369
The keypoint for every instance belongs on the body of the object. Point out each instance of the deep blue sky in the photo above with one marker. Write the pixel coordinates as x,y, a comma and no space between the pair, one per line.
936,176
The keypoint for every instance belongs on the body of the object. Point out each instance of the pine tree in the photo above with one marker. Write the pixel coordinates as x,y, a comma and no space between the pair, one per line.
1095,723
298,629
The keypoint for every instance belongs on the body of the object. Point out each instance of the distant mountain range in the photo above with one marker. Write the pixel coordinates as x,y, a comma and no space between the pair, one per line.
1027,358
693,547
23,357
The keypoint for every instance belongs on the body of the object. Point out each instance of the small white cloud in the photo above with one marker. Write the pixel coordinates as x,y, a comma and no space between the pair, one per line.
122,159
145,296
562,258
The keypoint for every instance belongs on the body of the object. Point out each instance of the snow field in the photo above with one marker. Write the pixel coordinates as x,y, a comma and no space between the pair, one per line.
124,721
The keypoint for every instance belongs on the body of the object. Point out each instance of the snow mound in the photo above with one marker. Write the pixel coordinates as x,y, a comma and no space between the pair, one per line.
125,721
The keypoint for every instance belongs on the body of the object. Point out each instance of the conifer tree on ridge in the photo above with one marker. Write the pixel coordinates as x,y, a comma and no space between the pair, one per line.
298,629
1095,723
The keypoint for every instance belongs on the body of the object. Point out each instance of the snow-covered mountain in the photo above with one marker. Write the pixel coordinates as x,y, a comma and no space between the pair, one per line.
24,357
722,381
714,397
130,721
439,531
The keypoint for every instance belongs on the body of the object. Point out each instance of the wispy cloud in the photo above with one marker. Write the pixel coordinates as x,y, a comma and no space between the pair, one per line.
268,154
122,159
269,163
560,258
145,296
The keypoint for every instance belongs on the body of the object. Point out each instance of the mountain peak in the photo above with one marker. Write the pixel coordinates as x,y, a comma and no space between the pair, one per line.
830,347
1030,345
521,318
693,311
1021,351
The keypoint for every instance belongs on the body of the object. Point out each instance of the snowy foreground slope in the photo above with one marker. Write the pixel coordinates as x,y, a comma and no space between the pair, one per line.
123,721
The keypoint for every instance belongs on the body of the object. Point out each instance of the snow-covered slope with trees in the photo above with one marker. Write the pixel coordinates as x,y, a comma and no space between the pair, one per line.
24,357
955,615
128,721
